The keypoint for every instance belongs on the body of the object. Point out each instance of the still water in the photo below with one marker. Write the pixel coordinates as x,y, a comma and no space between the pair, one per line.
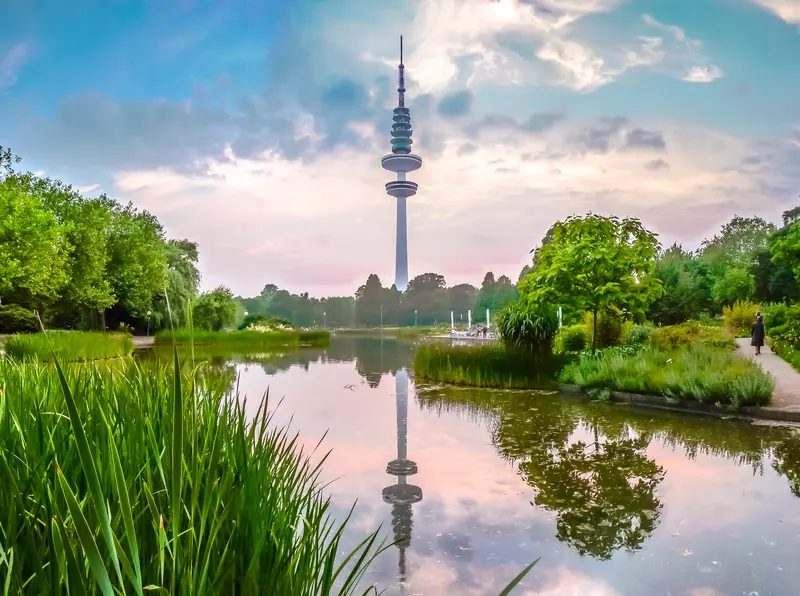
477,484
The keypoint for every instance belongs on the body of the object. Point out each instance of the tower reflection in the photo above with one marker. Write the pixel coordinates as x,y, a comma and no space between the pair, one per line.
402,495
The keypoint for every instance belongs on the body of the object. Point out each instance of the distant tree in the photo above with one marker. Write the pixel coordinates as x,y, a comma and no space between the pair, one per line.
495,294
791,216
269,290
737,243
462,297
596,263
687,287
215,310
369,302
427,295
736,283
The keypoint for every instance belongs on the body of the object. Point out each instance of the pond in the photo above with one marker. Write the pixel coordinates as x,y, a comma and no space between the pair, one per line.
476,484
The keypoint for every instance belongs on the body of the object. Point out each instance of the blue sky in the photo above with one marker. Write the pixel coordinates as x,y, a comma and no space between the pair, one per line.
257,127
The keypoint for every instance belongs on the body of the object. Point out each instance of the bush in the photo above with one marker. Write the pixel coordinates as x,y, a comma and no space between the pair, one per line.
691,333
609,328
264,321
75,346
15,319
640,334
702,373
494,366
528,328
739,317
777,314
570,339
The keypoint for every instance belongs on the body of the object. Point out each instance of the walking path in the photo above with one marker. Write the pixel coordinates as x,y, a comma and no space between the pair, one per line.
787,379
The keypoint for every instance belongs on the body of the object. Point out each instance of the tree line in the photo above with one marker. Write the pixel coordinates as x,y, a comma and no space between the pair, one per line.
85,263
427,301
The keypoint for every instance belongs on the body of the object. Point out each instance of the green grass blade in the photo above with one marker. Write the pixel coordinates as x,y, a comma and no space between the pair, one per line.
177,462
519,578
86,537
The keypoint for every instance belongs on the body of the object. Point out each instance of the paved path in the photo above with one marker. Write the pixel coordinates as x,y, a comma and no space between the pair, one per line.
787,379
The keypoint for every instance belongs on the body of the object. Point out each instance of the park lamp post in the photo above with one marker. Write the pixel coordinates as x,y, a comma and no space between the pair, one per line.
325,320
148,323
415,317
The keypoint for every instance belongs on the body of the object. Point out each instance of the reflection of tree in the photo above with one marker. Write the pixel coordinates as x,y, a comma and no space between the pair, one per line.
603,493
376,357
786,462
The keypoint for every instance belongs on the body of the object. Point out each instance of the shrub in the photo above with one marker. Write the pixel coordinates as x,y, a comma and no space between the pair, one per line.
691,333
777,314
739,317
609,328
15,319
494,366
251,321
244,339
76,346
703,373
570,339
528,328
640,334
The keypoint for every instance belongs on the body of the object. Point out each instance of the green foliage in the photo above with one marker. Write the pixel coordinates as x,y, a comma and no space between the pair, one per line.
33,249
739,317
492,366
570,338
737,243
15,319
687,287
692,333
640,334
785,248
527,327
155,481
214,310
264,321
609,328
76,346
703,373
596,263
494,295
244,339
736,284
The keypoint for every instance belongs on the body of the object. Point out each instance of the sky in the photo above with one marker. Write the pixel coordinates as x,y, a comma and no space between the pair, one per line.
256,127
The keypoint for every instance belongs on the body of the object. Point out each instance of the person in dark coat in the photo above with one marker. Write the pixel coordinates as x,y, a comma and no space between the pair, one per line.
757,334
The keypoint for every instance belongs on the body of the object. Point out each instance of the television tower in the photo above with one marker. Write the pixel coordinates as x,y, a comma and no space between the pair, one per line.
402,495
401,161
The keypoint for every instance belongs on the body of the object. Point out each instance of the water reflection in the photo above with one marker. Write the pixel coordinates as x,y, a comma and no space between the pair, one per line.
402,495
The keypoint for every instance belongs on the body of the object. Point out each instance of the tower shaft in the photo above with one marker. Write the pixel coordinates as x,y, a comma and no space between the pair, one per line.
401,256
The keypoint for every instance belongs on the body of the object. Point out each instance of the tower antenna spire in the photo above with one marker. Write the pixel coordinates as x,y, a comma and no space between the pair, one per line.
401,88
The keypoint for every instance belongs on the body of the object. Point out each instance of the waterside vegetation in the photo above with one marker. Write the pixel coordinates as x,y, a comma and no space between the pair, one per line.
244,339
69,346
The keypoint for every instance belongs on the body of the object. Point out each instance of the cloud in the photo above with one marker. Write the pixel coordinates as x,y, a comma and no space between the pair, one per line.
644,139
457,103
686,59
788,10
11,60
657,164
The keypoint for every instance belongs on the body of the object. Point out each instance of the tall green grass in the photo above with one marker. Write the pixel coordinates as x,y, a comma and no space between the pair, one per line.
244,339
121,480
491,365
75,346
702,373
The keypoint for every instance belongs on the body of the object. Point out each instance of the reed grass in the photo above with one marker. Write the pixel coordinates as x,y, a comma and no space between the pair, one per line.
493,366
703,373
69,346
124,480
244,339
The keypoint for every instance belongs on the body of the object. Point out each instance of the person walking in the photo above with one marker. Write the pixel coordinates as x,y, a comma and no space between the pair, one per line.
757,334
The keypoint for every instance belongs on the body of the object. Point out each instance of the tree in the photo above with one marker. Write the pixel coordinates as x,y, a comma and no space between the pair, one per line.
736,283
33,250
369,302
426,294
737,243
687,287
494,294
183,277
595,263
215,310
462,297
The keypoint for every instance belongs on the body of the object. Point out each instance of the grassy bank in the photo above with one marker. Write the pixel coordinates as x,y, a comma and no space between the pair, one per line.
483,366
703,373
245,338
124,479
409,333
75,346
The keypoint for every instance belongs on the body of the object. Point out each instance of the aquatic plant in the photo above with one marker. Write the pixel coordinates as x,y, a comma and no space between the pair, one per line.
494,366
130,480
245,338
702,373
528,328
75,346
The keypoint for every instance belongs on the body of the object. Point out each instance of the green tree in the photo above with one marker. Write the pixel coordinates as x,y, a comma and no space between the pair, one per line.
494,294
737,243
215,309
596,263
427,295
369,302
736,283
462,297
687,287
33,250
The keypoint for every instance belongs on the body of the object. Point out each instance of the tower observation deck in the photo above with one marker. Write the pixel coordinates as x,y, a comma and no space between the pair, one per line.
401,161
